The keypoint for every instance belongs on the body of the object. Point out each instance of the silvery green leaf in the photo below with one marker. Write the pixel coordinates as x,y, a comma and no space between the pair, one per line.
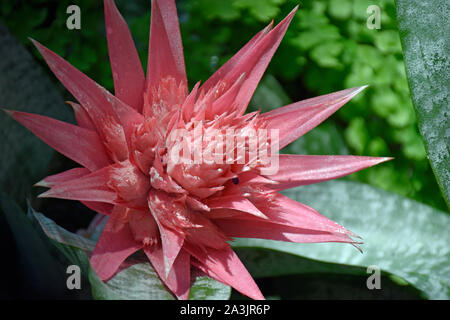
423,26
401,236
136,282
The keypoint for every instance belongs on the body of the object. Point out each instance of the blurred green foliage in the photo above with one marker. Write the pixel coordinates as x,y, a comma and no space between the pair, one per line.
328,47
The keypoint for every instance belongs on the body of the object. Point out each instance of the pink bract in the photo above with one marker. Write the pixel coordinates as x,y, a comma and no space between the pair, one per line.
183,215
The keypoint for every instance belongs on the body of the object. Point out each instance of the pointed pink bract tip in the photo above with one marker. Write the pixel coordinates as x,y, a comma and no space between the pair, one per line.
9,112
362,87
357,247
42,183
356,90
294,11
35,43
41,48
38,46
383,159
73,105
46,194
269,27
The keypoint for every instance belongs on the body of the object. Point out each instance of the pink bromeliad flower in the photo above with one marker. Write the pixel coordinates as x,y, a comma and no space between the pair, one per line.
182,214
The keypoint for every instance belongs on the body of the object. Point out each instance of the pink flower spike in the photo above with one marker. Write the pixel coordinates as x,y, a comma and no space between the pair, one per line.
128,75
81,145
92,187
165,57
231,64
225,102
299,170
68,175
178,280
225,266
116,243
255,62
101,105
82,117
171,246
189,104
273,231
100,207
235,202
284,211
94,98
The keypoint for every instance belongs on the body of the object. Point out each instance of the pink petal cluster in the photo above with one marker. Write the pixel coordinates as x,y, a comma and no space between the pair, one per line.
182,215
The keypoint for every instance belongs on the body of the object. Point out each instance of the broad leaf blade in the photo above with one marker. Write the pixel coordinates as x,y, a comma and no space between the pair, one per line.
41,273
423,28
61,235
263,263
73,246
401,236
138,281
205,288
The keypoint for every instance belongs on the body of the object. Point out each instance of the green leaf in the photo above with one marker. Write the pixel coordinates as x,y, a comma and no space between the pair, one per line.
360,74
426,45
401,236
310,38
37,265
360,9
61,235
262,10
205,288
326,55
384,101
371,56
378,147
138,281
340,9
269,95
324,139
73,246
262,263
222,9
388,41
357,135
